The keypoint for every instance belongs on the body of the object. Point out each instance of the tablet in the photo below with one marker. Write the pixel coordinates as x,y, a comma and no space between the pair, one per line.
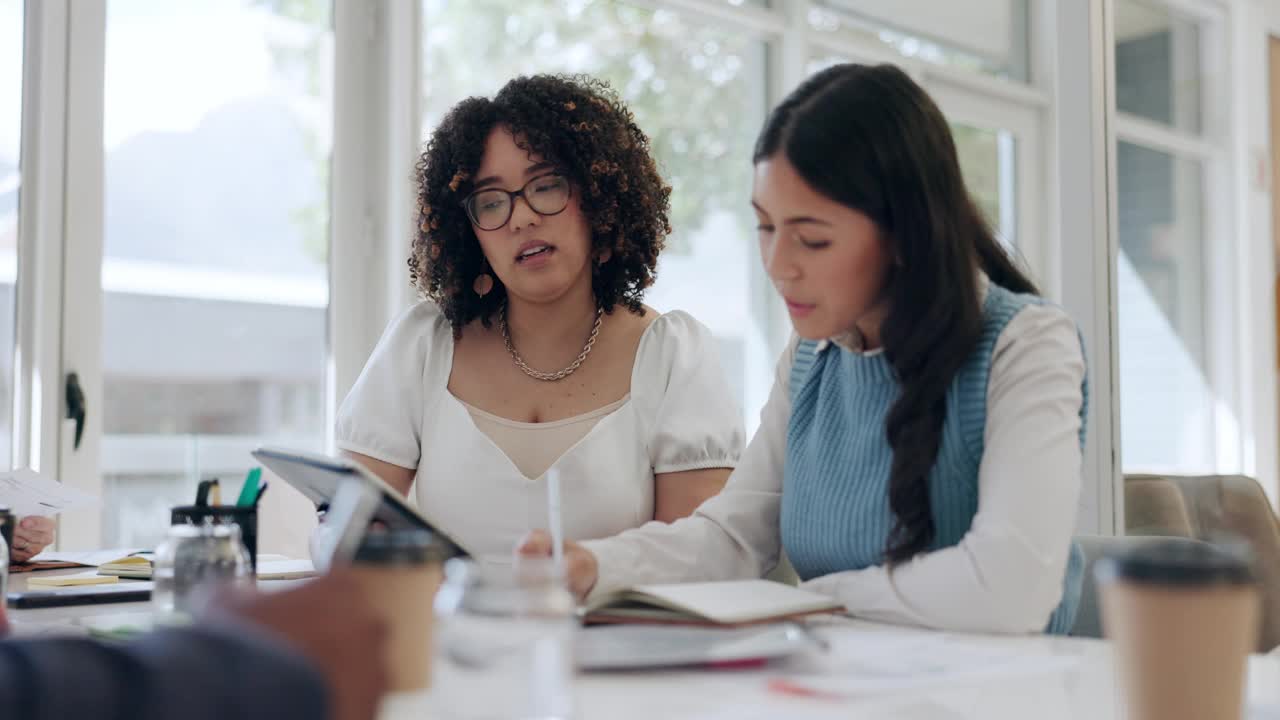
82,595
320,477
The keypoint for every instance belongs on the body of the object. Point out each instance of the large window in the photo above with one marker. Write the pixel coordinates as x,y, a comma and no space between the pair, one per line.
198,306
1176,347
217,130
11,49
696,88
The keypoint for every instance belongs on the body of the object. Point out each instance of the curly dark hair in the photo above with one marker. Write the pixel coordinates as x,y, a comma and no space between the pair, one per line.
578,124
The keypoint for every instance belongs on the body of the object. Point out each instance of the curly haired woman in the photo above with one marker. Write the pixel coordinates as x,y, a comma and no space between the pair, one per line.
541,216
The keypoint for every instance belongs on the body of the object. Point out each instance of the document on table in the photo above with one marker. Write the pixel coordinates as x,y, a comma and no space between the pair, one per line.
25,492
889,662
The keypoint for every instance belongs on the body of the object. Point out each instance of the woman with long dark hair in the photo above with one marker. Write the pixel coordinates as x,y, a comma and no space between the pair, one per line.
920,456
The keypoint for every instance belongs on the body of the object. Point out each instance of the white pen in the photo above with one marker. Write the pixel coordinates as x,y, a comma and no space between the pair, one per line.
553,520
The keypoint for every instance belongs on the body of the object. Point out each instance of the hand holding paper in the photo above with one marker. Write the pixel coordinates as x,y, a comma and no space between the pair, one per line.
32,535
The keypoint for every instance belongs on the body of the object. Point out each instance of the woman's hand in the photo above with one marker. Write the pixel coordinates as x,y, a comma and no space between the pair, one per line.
580,563
31,536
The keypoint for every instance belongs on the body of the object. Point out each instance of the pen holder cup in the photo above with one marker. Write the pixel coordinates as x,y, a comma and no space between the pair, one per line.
245,517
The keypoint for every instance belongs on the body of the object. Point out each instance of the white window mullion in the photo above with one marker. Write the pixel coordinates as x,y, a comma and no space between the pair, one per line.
354,316
401,119
1250,207
83,222
377,139
1133,129
1083,100
1240,410
857,52
764,22
1203,10
1222,318
983,85
1043,25
37,367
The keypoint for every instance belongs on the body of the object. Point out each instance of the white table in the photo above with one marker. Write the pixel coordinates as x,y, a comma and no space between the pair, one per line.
1062,678
1077,683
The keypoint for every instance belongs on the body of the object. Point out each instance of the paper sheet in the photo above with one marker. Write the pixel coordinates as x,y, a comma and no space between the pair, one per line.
284,569
871,663
26,492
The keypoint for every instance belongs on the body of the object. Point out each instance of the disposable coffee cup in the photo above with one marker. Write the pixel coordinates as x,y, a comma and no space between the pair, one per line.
1182,617
400,572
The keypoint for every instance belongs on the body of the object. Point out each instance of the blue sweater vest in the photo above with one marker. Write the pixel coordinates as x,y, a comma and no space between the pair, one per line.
835,508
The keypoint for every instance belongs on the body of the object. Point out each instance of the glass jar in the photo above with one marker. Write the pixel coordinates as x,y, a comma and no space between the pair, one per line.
504,642
192,561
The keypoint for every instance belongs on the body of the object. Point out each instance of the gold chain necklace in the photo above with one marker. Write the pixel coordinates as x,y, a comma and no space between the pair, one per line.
549,376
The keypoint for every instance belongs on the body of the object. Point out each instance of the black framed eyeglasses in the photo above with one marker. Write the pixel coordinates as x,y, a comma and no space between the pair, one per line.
491,208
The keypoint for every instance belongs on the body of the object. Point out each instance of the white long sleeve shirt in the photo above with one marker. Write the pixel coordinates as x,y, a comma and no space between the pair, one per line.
1006,573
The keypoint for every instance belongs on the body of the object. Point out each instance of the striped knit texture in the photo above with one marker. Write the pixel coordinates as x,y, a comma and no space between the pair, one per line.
835,510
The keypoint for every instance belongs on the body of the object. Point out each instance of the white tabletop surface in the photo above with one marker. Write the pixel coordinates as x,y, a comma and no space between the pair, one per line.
1021,677
1056,678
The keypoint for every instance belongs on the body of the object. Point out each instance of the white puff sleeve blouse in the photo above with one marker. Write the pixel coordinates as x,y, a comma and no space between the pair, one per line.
679,416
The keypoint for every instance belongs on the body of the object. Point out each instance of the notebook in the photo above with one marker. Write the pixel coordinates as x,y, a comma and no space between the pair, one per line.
85,578
729,603
136,565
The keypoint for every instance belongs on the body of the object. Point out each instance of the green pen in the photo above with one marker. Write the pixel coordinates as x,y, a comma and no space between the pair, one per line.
249,493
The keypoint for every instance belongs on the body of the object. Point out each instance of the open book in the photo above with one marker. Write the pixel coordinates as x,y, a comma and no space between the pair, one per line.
727,603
